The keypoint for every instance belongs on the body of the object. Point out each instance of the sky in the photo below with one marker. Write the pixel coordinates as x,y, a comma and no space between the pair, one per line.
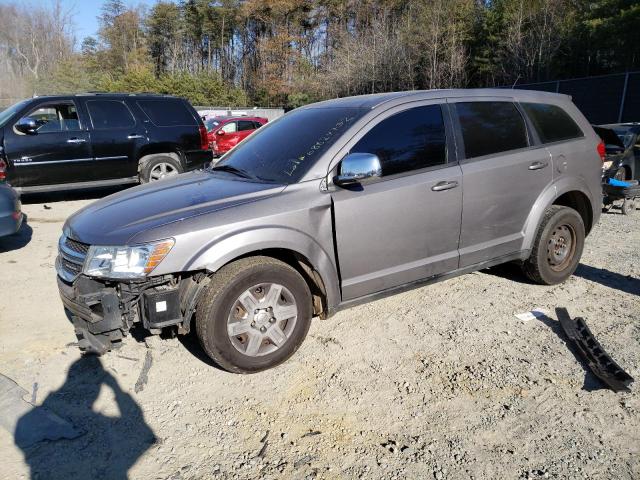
85,13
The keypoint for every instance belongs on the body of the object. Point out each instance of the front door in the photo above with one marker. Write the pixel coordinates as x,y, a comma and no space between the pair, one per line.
404,227
503,176
57,152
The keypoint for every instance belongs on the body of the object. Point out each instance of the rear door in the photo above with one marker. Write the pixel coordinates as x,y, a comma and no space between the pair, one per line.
116,136
404,227
245,128
503,176
58,152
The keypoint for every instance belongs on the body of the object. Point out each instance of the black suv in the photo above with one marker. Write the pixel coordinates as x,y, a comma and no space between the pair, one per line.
96,139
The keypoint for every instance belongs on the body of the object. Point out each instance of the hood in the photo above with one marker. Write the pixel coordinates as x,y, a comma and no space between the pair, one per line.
116,219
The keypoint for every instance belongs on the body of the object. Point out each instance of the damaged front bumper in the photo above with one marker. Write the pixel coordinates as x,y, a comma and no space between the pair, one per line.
103,312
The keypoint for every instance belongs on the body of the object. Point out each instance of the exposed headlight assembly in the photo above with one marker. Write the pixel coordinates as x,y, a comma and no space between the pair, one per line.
126,262
607,165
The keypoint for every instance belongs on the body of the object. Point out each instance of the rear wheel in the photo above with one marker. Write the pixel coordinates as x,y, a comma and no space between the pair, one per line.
557,248
159,167
254,314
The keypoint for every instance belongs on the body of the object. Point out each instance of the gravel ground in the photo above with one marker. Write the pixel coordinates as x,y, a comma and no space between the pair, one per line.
439,382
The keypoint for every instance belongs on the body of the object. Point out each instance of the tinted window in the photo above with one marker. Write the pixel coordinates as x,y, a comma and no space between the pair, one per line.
551,122
109,114
167,113
408,140
284,150
491,127
257,124
245,125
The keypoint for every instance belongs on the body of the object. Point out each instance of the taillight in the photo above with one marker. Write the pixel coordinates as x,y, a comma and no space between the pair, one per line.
204,141
3,170
602,151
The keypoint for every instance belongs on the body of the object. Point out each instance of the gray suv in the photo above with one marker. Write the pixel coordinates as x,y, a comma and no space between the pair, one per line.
332,205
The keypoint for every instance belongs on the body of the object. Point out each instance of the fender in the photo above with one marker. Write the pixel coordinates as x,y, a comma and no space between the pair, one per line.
546,198
225,249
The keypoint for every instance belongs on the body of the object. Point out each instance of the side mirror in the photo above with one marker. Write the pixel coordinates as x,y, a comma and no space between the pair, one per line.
358,168
220,132
27,125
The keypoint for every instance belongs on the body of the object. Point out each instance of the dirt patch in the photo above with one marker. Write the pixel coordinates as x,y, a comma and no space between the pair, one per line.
439,382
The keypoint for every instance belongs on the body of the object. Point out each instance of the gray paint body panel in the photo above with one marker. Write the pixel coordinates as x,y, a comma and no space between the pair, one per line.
391,232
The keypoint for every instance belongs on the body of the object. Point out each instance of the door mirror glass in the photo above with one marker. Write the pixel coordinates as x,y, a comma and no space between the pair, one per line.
358,168
27,125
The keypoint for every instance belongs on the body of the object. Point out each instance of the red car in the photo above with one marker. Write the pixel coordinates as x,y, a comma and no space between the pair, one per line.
224,133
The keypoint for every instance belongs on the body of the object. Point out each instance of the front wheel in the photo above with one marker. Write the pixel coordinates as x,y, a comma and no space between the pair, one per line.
557,248
254,314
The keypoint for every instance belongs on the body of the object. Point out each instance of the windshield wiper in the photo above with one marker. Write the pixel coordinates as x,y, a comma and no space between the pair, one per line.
232,169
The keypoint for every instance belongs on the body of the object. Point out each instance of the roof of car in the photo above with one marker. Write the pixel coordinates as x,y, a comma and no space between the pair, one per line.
226,118
376,99
106,94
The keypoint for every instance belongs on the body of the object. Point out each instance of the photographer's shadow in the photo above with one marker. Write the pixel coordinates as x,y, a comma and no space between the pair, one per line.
110,445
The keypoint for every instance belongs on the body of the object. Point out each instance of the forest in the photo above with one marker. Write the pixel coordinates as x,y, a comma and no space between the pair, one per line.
291,52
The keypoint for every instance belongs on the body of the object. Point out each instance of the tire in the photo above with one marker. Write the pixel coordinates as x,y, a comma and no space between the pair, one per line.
221,310
153,167
557,248
628,206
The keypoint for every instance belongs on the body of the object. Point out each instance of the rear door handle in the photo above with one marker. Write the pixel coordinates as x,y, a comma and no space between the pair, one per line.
134,135
537,165
440,186
76,140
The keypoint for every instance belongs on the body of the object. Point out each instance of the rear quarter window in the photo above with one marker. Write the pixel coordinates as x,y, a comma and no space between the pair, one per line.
167,113
551,122
491,127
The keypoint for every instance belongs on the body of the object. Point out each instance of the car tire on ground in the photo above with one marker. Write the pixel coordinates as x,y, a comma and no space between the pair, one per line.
254,314
158,167
557,248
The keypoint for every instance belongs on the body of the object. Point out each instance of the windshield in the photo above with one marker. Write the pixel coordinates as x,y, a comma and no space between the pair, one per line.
284,150
9,112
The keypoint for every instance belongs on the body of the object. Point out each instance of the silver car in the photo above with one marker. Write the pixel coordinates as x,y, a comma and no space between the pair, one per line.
335,204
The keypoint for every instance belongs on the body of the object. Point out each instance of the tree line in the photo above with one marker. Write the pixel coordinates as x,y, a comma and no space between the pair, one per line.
291,52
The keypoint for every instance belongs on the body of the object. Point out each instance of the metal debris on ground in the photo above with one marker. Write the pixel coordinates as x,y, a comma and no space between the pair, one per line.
532,315
599,361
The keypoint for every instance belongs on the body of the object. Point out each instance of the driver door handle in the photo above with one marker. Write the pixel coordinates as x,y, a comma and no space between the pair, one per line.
440,186
76,140
538,165
134,135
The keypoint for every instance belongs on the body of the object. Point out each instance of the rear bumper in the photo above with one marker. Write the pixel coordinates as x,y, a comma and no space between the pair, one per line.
195,159
11,216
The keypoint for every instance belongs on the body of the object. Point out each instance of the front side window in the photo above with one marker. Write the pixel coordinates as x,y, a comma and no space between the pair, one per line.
284,150
106,114
551,122
230,127
408,140
491,127
55,118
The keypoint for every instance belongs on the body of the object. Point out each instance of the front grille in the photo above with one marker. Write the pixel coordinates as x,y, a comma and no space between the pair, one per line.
70,267
71,258
76,246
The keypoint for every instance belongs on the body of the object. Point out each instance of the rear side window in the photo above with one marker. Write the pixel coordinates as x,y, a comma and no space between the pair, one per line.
551,122
167,113
245,125
408,140
107,114
491,127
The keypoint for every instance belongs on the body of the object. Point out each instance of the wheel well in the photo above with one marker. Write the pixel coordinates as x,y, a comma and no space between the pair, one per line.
304,267
580,203
627,172
145,155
